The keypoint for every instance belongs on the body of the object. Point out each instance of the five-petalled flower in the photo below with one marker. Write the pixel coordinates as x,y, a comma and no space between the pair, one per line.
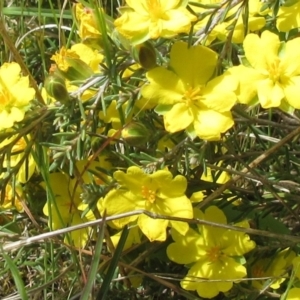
158,193
213,251
189,97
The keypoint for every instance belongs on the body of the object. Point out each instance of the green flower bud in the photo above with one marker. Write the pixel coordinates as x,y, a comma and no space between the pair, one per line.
96,143
135,134
78,69
56,87
145,55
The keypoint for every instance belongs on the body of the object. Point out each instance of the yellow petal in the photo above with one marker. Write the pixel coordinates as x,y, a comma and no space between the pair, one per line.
248,78
179,117
291,59
165,87
118,202
211,130
269,93
153,229
194,65
261,51
288,17
292,91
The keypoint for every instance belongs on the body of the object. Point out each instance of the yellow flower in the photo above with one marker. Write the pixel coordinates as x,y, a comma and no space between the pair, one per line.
17,153
187,96
272,71
275,266
78,63
158,193
213,251
91,57
88,28
15,95
60,58
12,198
288,16
80,58
151,19
64,210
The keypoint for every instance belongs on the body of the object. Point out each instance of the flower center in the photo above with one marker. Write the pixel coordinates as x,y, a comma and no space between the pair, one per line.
274,69
213,253
148,194
192,94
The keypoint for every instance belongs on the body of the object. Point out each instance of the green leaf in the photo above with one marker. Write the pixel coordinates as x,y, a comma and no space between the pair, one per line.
113,265
16,276
95,263
271,224
288,3
36,12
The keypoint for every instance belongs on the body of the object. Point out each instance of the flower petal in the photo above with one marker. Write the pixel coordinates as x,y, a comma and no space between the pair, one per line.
210,124
176,21
133,26
187,248
194,65
237,243
154,229
261,51
288,17
140,7
165,87
169,187
132,180
218,101
292,91
248,79
179,117
269,93
117,202
204,269
291,59
78,237
293,294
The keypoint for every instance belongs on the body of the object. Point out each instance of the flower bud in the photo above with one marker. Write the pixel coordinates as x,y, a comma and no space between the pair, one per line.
78,69
145,55
135,134
56,87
